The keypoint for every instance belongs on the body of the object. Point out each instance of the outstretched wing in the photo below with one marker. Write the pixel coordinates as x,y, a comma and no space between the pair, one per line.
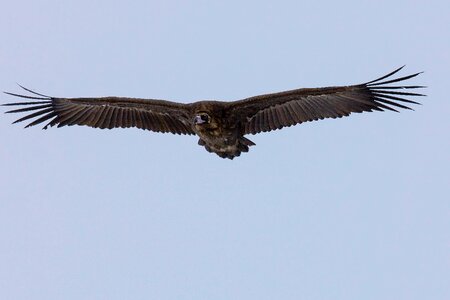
275,111
106,112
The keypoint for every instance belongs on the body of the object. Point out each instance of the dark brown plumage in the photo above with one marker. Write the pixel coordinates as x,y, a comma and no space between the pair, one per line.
221,126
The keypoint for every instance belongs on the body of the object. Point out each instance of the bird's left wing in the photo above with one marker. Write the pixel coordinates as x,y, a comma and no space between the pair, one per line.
105,112
275,111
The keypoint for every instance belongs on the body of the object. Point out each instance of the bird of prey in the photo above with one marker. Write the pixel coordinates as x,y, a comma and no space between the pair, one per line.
221,126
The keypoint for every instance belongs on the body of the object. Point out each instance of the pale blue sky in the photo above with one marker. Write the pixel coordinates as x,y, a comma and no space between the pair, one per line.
355,208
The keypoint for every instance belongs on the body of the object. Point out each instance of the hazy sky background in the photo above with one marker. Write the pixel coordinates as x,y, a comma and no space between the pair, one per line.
355,208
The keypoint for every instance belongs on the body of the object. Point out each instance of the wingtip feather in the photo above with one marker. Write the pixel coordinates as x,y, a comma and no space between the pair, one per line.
31,91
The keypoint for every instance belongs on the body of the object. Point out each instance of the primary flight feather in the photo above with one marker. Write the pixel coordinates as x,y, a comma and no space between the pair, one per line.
220,125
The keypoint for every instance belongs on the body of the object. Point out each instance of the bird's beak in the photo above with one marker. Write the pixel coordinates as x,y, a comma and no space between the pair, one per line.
198,120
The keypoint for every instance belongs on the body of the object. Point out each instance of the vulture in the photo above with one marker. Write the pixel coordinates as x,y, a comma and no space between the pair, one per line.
221,126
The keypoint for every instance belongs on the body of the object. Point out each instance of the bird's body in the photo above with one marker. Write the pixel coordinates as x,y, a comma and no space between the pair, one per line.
221,126
224,134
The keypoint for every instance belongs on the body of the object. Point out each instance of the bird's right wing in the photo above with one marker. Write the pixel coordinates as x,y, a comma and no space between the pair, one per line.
105,112
275,111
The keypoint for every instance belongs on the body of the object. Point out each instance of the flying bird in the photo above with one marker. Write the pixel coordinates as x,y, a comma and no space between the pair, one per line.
221,126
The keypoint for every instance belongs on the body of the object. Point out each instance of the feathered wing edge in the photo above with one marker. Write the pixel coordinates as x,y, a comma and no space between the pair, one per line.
385,95
44,106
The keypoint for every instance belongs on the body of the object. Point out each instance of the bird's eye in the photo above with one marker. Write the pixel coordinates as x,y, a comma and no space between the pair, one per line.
205,118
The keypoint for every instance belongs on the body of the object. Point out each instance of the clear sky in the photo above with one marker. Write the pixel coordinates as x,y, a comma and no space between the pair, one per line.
355,208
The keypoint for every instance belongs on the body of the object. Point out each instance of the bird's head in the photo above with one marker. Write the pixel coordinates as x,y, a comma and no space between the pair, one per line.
202,118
